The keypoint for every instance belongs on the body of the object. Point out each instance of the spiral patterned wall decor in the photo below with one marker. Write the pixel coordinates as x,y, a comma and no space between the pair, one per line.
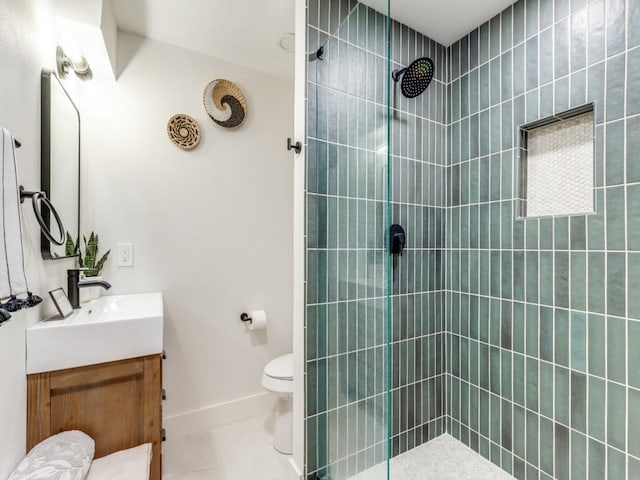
225,103
183,131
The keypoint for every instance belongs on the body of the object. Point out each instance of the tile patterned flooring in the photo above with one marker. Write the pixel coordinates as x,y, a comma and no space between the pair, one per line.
221,454
233,452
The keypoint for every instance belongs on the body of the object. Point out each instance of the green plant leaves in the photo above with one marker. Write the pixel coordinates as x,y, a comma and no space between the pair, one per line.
71,248
101,262
90,259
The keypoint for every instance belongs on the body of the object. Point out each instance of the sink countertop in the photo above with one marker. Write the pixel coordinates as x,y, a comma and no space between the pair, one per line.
106,329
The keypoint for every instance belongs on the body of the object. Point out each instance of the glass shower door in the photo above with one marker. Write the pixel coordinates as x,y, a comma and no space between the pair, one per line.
347,316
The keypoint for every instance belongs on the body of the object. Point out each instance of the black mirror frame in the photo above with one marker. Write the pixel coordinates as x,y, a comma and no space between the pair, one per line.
45,158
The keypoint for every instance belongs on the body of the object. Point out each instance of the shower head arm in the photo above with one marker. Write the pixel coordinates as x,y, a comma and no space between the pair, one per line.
396,74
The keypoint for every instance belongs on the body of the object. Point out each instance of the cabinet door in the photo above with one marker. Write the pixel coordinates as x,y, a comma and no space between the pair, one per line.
116,403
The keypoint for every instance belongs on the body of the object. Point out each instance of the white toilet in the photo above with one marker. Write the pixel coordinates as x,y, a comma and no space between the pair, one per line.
278,378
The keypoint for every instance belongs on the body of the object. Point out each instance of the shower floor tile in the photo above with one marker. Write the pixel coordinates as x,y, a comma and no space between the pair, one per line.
443,458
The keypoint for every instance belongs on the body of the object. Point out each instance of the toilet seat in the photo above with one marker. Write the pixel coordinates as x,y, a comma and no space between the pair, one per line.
278,375
280,368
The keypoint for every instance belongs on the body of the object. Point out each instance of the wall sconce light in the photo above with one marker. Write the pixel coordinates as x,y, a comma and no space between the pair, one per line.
65,64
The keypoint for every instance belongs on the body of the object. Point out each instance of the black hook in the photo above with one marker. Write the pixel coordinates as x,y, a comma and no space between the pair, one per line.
297,147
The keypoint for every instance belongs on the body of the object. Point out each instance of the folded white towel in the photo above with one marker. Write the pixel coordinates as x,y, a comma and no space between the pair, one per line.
131,464
12,276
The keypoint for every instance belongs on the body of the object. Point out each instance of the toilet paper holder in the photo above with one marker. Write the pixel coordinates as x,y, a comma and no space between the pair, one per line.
254,320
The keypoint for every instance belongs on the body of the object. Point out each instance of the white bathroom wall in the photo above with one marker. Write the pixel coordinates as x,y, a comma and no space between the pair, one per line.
211,227
299,239
26,45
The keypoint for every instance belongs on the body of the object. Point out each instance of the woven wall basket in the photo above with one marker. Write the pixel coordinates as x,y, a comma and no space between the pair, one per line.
183,131
225,103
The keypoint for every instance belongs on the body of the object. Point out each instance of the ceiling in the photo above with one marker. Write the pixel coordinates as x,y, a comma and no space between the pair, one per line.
445,21
246,32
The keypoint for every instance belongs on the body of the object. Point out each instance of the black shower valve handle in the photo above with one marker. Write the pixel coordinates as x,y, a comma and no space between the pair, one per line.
397,239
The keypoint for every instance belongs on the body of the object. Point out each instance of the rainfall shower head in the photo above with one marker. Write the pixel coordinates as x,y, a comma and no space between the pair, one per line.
415,78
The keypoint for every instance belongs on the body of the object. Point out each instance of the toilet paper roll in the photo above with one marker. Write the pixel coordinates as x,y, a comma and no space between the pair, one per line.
258,320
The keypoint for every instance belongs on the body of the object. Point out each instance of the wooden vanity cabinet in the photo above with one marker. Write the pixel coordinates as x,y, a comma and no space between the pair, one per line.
118,404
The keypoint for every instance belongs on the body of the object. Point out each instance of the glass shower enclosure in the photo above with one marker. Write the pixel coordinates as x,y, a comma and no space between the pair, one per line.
348,211
375,158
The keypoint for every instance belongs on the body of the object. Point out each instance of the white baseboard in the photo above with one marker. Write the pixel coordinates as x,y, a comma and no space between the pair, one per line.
219,415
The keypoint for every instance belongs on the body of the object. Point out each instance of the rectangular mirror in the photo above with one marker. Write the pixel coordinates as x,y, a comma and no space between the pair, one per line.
60,163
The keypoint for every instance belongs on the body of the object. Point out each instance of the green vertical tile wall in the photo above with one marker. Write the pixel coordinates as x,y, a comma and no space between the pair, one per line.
519,337
418,165
570,286
347,164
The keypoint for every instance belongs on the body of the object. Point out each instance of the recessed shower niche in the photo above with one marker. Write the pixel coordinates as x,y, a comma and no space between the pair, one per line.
556,165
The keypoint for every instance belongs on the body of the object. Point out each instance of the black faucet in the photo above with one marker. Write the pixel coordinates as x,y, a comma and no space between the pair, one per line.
74,284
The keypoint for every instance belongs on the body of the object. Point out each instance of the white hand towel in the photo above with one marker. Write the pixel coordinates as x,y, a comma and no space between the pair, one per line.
130,464
12,276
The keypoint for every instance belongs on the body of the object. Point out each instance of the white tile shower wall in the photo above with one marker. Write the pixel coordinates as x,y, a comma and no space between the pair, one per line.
559,171
211,227
27,45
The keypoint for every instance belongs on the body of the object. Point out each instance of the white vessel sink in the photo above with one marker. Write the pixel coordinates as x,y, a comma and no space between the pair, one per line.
106,329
